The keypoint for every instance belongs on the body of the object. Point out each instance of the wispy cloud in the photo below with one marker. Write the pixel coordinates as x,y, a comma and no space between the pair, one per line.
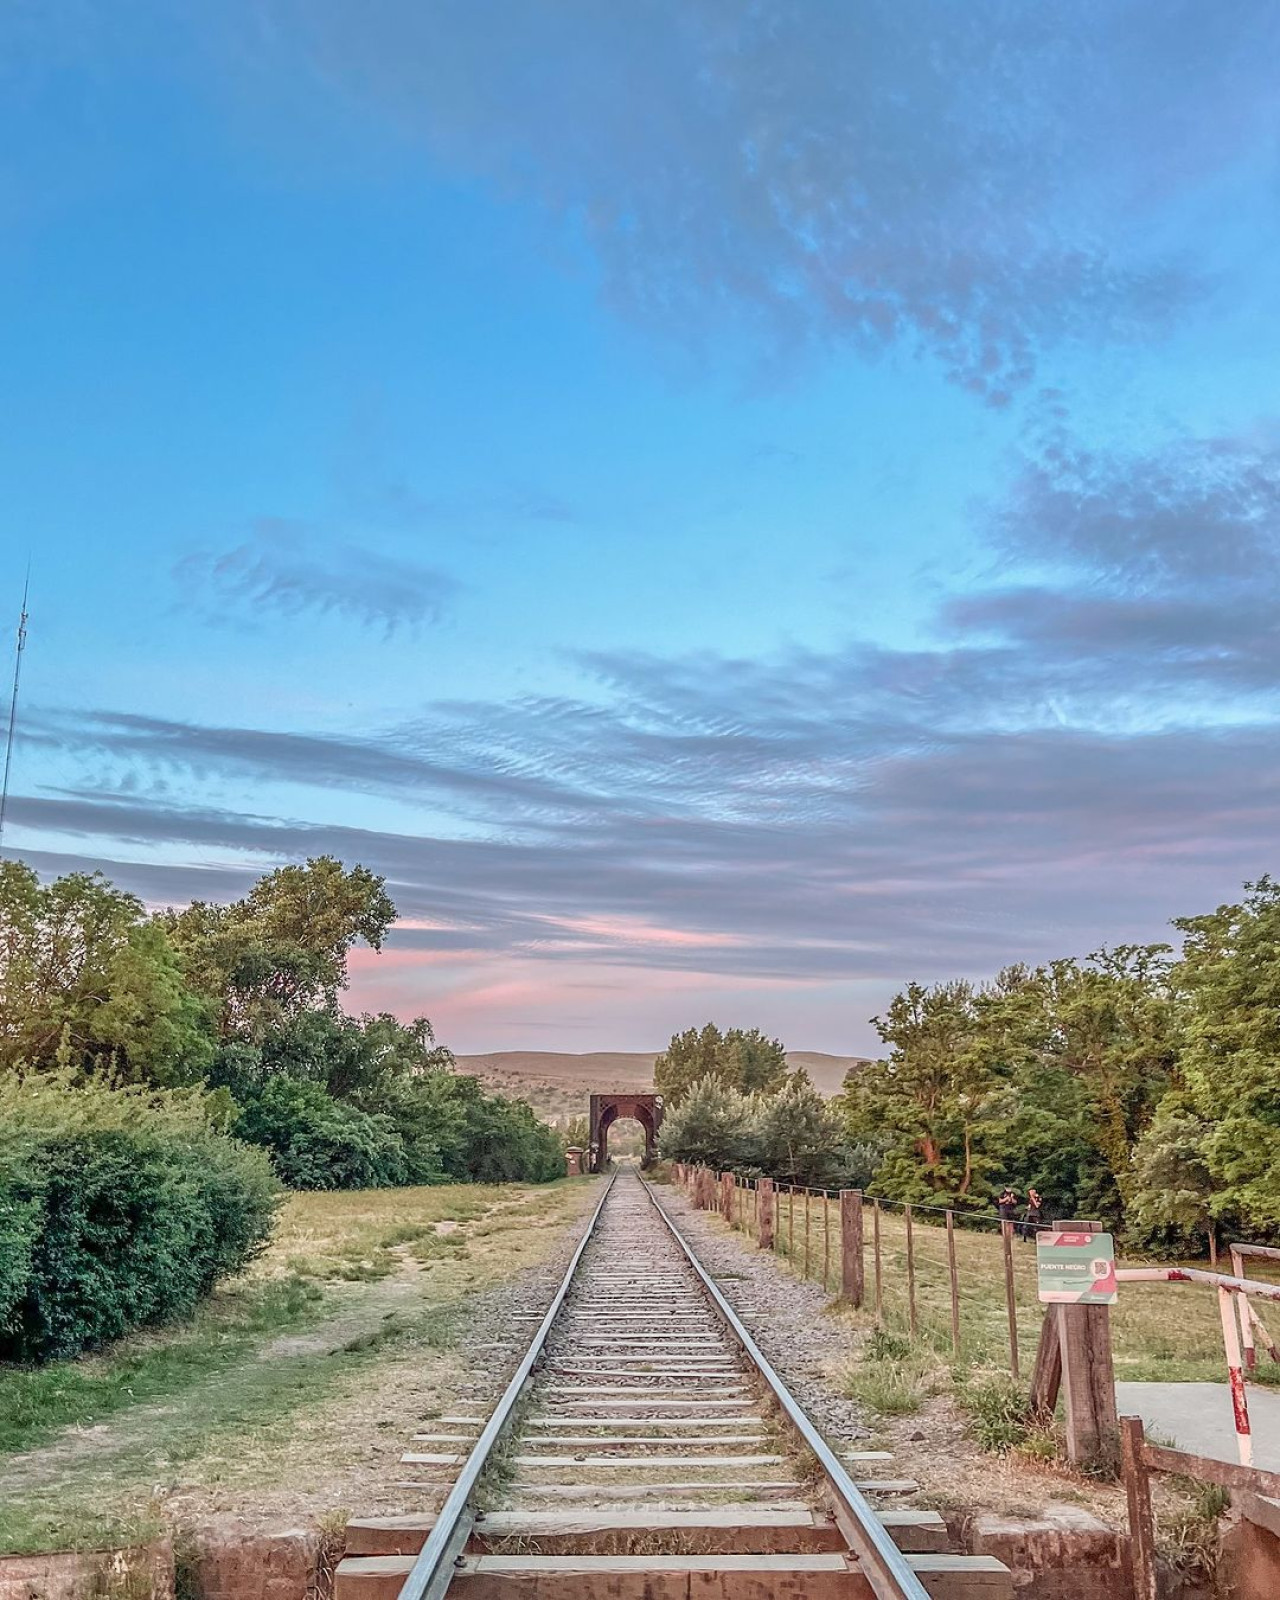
1072,759
285,571
979,182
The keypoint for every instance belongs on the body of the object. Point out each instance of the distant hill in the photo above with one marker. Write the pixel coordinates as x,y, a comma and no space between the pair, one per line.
557,1083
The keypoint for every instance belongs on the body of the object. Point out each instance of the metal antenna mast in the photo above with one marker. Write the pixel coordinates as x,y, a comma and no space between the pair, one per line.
13,702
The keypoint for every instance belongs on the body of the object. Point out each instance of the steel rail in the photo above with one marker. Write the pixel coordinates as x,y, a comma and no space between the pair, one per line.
433,1571
883,1564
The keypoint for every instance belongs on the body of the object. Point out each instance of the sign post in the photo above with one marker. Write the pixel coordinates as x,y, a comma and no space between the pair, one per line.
1076,1268
1076,1274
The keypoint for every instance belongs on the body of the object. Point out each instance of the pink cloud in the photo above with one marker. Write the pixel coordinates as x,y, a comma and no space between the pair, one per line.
480,1002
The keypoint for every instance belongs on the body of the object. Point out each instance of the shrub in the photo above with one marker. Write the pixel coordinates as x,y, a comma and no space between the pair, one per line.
317,1142
119,1209
997,1409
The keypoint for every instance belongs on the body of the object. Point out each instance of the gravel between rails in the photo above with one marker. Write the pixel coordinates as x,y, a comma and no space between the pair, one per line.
788,1317
498,1323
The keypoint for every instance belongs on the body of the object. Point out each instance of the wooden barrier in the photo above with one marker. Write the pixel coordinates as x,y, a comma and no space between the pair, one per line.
1011,1303
1139,1460
1250,1322
879,1271
911,1273
954,1277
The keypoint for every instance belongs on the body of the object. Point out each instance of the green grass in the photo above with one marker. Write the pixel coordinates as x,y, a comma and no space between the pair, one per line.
301,1364
27,1527
37,1402
1160,1331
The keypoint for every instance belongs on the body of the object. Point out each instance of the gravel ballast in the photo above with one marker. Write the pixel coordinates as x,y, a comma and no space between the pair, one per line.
794,1322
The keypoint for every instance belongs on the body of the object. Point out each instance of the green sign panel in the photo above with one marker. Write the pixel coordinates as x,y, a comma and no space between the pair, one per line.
1077,1269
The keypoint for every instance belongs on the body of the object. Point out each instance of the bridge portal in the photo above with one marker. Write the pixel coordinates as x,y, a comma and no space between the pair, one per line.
605,1111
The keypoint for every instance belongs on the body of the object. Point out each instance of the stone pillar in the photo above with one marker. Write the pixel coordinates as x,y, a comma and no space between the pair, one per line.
573,1155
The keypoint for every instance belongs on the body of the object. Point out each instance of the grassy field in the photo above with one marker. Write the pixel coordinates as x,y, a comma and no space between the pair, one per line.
292,1390
1162,1331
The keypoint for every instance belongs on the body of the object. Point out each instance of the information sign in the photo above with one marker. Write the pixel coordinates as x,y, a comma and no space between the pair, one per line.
1077,1269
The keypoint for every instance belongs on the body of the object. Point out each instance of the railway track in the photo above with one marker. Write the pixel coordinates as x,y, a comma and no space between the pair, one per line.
646,1450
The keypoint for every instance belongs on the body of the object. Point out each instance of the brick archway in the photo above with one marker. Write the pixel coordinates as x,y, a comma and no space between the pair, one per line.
646,1109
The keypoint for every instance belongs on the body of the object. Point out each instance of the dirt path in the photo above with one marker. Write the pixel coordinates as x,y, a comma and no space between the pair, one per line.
304,1423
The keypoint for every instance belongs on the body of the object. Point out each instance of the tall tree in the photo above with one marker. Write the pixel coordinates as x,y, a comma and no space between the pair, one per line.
744,1059
934,1100
799,1137
86,981
283,949
1230,969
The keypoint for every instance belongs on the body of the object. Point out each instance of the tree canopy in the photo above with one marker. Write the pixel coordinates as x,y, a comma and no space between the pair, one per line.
744,1059
246,999
1141,1084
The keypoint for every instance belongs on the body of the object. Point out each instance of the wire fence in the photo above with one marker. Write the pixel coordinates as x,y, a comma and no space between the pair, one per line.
925,1271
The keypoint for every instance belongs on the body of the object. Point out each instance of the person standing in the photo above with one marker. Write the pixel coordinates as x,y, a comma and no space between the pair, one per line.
1007,1206
1034,1214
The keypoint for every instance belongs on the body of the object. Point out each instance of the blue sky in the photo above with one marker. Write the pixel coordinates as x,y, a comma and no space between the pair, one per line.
729,509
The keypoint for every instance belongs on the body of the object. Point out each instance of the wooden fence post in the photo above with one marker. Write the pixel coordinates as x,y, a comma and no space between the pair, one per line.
764,1212
1142,1529
1011,1301
1046,1375
806,1232
955,1285
851,1284
911,1274
726,1196
875,1246
1088,1376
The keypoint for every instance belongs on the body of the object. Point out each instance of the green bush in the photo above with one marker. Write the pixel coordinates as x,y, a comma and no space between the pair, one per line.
997,1409
119,1209
317,1142
454,1132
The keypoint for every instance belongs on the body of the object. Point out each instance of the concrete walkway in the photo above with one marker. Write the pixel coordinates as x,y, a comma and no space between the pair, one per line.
1197,1417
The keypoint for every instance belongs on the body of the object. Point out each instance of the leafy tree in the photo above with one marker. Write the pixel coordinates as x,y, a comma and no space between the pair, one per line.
799,1138
1230,970
353,1057
745,1059
1114,1028
283,949
935,1100
711,1125
317,1142
1171,1190
1043,1077
86,981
